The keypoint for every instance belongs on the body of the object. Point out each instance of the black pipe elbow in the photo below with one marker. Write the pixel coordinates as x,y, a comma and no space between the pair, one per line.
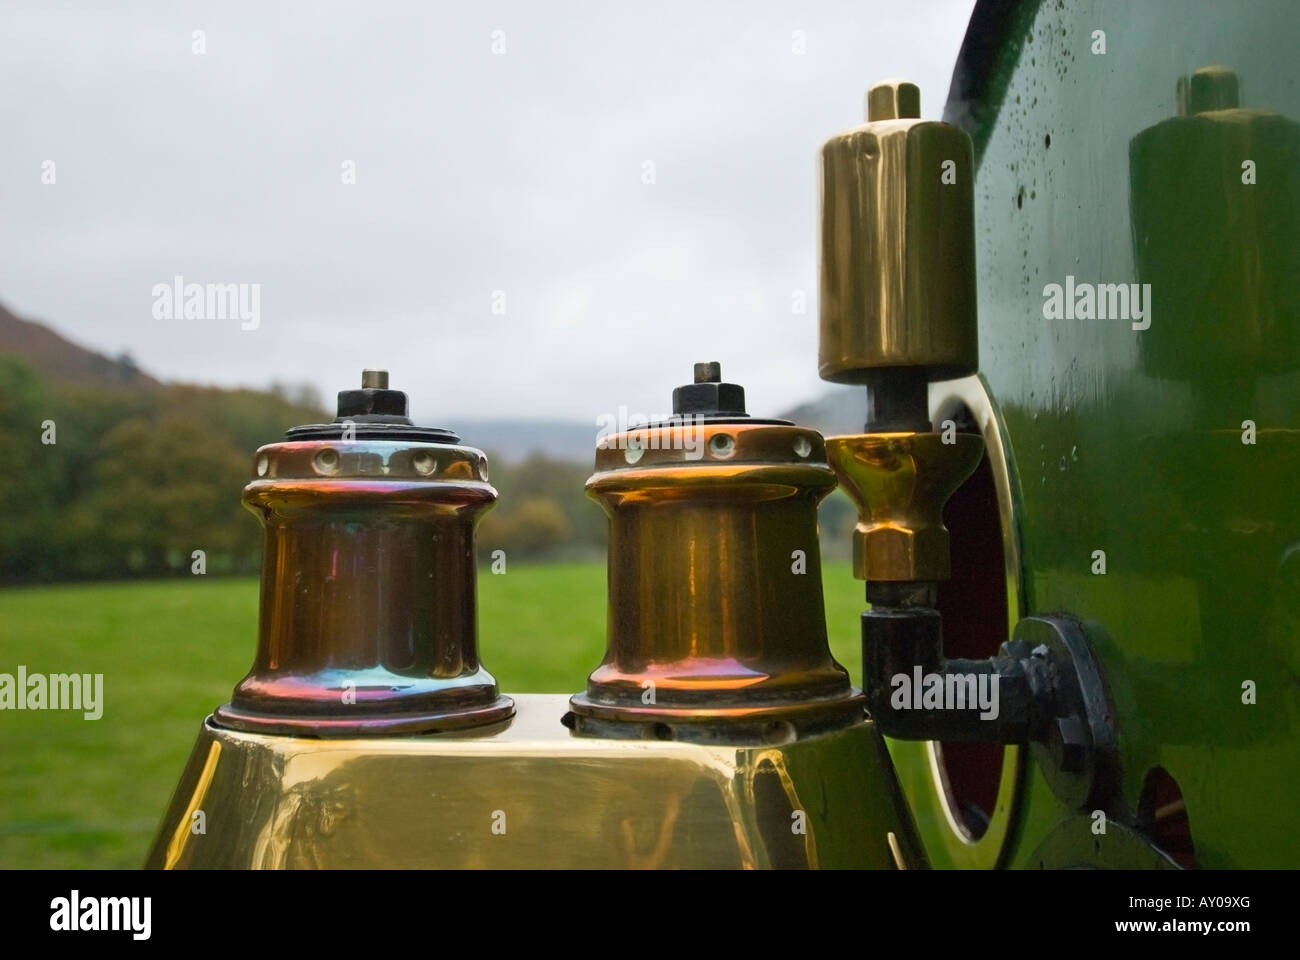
914,693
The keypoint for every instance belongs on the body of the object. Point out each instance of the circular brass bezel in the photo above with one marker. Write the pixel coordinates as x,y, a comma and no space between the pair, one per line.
693,444
945,838
338,460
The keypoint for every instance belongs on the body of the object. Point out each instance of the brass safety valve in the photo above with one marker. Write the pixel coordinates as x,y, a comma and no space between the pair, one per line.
898,311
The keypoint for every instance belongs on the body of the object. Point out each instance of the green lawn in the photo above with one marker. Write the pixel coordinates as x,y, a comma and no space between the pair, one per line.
79,793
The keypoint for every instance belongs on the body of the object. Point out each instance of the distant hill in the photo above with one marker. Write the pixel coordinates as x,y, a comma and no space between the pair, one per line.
517,440
60,359
839,410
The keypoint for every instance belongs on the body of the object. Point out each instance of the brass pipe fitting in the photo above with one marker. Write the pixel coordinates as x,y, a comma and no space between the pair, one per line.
900,483
368,620
717,628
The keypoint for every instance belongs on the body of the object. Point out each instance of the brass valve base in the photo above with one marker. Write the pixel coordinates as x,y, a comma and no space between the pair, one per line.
526,794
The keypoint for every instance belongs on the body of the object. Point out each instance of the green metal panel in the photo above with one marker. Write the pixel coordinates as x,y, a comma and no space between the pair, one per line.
1130,441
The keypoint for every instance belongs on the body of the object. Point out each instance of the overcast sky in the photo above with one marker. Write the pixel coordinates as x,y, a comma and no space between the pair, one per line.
476,171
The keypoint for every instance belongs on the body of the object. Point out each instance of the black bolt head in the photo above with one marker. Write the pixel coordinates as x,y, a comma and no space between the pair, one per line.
708,396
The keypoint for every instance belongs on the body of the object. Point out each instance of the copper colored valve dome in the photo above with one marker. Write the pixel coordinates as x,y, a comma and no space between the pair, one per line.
717,627
368,620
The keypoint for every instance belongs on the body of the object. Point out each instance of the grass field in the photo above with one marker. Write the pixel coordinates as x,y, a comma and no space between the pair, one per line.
80,793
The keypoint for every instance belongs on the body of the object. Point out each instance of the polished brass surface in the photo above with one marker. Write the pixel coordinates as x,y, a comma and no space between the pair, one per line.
716,620
527,794
897,244
367,621
899,483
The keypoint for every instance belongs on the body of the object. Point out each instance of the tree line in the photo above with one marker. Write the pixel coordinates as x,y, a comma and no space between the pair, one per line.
116,482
